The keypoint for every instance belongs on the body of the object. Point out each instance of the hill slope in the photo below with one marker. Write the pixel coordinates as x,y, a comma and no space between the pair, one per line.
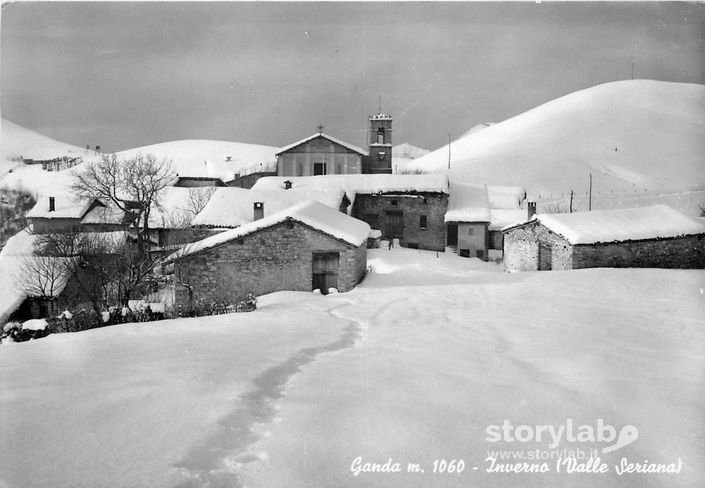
18,141
204,157
633,136
190,158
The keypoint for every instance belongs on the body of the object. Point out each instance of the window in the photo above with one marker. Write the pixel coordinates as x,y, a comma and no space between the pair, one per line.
471,231
422,222
395,203
380,135
319,169
381,156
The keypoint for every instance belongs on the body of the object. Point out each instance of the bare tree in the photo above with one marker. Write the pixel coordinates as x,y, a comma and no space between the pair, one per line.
91,262
133,185
198,198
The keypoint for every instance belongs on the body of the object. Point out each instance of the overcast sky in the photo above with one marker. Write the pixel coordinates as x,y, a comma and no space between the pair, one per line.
128,74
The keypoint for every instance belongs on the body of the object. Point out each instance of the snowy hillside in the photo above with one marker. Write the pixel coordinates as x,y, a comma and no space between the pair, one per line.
403,154
190,158
19,142
203,157
413,365
633,136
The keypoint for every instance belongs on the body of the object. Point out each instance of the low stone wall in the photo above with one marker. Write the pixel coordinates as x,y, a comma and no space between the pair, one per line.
274,259
680,252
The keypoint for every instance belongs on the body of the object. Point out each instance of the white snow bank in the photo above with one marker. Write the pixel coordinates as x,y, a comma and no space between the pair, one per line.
656,221
35,324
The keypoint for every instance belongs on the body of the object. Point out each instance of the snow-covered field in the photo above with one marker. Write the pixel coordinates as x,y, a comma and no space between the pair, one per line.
414,365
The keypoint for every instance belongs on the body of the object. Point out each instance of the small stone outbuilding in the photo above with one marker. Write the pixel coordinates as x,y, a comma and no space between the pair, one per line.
657,236
305,247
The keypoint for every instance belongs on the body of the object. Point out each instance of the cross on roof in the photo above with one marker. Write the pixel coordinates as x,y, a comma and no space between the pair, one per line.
320,128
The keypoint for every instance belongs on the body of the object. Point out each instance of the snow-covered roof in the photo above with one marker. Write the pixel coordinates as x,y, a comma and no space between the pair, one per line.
656,221
178,206
503,217
65,207
497,205
311,213
505,197
232,207
468,203
209,169
363,184
325,136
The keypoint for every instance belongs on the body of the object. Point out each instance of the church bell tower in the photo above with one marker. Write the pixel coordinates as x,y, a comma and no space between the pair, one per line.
380,144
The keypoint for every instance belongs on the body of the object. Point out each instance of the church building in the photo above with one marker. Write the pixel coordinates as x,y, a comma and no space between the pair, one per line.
322,154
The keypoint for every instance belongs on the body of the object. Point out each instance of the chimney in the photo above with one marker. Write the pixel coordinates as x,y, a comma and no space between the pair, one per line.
531,210
288,184
258,210
52,204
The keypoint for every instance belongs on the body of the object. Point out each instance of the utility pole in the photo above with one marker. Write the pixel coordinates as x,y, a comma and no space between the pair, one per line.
449,150
590,194
571,201
632,67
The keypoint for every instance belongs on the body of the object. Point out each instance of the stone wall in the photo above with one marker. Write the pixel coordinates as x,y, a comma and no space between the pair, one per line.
374,210
58,225
679,252
521,248
274,259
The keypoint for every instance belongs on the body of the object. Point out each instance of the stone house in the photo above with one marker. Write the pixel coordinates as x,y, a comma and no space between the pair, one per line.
648,237
410,208
305,247
60,214
477,213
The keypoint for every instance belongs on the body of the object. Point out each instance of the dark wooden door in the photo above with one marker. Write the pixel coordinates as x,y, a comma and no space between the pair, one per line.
452,238
545,257
395,224
325,271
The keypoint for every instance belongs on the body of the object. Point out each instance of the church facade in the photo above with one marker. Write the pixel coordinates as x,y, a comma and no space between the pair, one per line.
322,154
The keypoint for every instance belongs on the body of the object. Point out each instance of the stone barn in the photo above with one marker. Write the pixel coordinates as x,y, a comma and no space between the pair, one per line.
648,237
305,247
